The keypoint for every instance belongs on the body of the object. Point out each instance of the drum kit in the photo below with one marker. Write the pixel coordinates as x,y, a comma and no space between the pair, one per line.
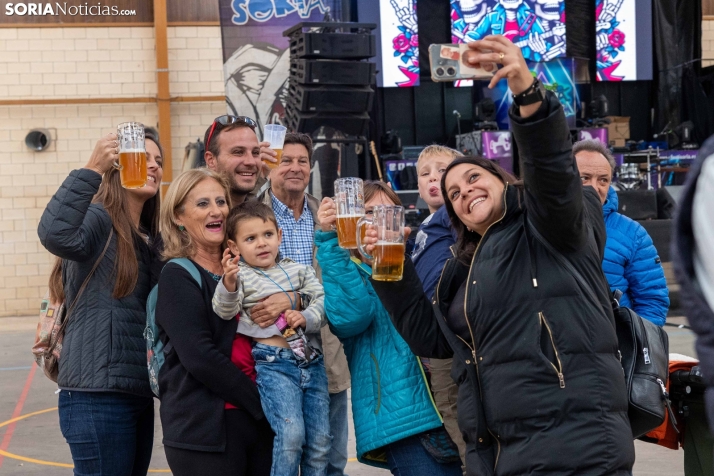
628,176
637,168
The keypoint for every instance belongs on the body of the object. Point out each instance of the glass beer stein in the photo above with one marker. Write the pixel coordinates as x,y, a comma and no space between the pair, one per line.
132,155
349,200
388,255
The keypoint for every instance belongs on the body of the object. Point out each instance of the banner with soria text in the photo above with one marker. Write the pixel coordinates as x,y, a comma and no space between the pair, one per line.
256,56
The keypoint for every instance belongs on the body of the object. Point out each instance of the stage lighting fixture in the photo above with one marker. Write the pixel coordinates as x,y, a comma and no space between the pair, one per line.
684,132
599,107
599,110
485,115
391,142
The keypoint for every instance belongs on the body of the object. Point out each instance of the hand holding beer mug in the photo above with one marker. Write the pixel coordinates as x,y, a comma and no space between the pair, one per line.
388,253
132,155
349,199
326,214
274,134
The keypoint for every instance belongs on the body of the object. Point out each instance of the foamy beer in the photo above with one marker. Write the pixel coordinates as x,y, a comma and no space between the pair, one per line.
132,155
388,256
388,261
349,200
275,135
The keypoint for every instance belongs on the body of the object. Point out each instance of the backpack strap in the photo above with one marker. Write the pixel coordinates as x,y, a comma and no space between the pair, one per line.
186,264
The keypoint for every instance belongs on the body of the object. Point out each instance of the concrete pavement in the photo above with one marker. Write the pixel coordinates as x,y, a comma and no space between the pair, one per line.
31,442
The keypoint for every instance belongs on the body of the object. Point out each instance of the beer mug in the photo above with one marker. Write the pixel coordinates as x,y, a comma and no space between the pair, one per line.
388,255
349,201
132,155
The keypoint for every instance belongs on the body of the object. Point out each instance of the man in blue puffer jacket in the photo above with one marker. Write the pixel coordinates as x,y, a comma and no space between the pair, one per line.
631,263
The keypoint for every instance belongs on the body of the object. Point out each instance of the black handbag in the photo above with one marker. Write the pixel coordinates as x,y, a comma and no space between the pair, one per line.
644,354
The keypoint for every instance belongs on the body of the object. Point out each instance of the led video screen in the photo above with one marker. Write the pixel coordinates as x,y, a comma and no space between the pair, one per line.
536,26
397,56
623,38
562,76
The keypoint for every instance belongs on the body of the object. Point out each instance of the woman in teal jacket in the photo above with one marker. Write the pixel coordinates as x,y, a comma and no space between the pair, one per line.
396,422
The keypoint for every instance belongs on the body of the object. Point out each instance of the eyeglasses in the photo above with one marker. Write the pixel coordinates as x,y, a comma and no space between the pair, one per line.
228,120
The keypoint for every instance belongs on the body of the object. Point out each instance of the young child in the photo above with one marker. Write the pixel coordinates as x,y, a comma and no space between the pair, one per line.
290,371
435,236
431,250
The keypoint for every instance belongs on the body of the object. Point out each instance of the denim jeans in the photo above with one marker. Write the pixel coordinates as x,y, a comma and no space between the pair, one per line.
340,433
296,403
109,433
407,457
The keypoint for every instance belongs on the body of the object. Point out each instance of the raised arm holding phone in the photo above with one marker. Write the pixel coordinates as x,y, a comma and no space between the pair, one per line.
541,389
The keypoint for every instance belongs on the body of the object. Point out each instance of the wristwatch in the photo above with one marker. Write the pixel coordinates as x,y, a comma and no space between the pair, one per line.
535,93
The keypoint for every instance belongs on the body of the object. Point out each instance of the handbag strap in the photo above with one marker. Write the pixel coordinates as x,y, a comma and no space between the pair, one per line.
81,290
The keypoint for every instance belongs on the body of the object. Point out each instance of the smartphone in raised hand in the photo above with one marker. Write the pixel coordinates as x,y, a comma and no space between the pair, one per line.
446,65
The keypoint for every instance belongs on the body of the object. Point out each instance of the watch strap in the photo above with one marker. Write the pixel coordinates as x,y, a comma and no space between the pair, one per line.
535,93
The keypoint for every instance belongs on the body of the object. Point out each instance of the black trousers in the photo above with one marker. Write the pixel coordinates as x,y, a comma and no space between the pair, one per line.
249,450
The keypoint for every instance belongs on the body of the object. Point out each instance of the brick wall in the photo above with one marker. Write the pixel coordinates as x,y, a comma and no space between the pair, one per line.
53,63
708,41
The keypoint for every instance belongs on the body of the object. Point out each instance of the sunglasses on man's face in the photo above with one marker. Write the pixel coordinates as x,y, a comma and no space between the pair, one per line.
228,120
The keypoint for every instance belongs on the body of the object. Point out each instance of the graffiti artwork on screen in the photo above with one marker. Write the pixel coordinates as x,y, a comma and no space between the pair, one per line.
610,40
537,26
256,57
400,56
556,75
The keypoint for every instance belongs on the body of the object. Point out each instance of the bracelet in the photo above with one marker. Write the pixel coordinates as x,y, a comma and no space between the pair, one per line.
528,91
535,93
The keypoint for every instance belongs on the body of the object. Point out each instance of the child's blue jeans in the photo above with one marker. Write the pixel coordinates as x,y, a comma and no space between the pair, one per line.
297,405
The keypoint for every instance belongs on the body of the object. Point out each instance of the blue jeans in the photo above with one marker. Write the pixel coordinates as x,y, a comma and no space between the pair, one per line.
407,457
339,430
296,403
109,433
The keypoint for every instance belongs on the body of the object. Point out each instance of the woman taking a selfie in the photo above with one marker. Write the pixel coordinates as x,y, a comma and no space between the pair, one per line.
541,389
106,408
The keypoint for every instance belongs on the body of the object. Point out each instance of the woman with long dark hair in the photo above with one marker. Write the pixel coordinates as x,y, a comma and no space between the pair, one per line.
535,354
106,407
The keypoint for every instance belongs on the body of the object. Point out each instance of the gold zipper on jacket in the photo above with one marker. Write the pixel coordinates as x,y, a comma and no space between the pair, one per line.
559,369
466,295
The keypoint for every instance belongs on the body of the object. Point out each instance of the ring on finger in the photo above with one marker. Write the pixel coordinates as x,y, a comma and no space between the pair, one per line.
500,56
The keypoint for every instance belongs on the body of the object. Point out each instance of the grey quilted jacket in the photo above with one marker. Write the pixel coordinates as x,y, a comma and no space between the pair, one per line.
103,348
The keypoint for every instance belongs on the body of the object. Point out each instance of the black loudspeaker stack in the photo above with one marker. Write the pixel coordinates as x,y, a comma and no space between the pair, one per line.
330,82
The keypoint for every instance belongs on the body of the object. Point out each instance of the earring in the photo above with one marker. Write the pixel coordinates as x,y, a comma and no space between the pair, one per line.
469,228
181,228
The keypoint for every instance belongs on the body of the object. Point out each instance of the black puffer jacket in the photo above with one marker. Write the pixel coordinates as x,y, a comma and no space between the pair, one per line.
541,389
103,347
